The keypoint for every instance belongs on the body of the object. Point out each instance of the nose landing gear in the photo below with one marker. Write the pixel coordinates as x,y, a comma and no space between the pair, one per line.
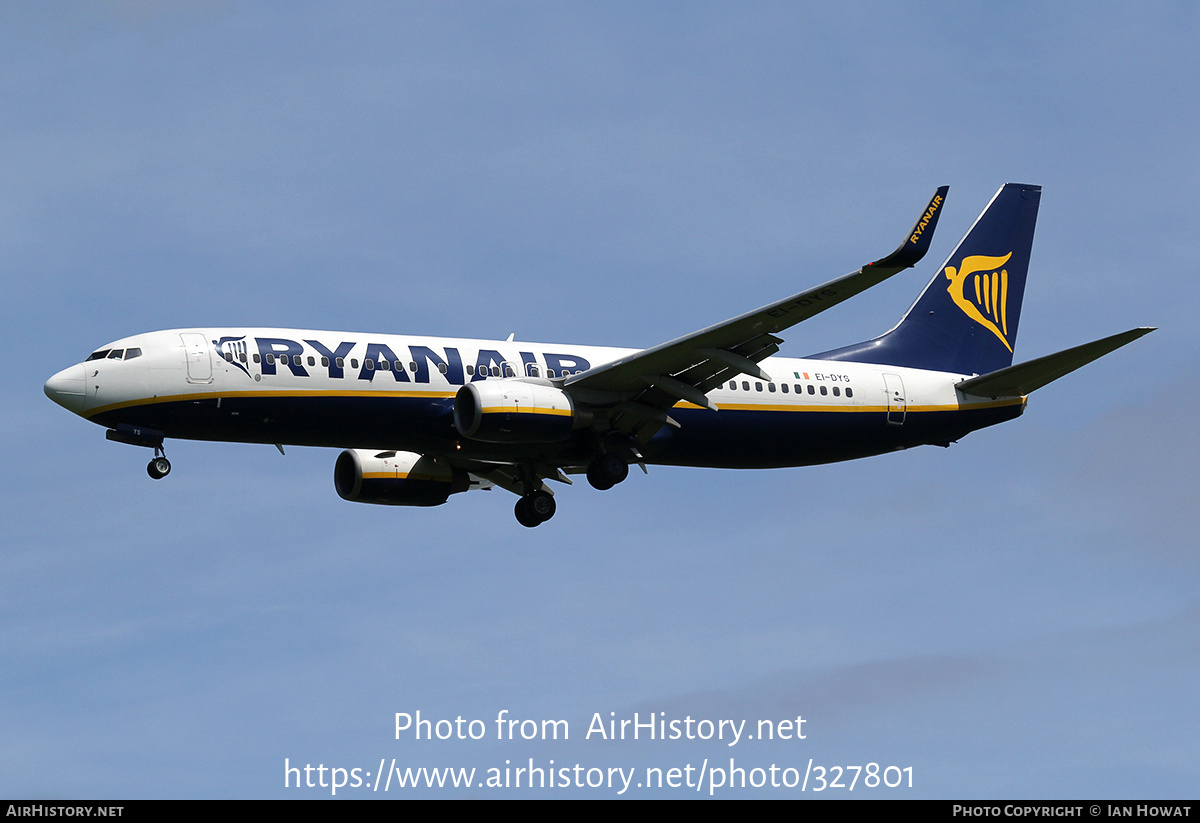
159,467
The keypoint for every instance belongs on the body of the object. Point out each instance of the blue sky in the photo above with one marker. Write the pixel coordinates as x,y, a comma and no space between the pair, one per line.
1015,616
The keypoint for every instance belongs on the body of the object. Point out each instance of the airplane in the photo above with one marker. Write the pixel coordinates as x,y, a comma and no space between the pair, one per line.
422,418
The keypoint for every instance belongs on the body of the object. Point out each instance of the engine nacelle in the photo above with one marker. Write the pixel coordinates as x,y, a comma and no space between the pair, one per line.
516,411
396,478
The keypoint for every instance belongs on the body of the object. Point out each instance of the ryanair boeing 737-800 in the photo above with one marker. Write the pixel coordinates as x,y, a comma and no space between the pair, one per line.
422,418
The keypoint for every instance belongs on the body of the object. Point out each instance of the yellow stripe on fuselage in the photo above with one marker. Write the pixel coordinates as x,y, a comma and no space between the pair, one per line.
683,404
187,398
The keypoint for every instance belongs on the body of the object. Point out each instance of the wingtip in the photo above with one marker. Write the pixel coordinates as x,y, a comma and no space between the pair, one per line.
916,242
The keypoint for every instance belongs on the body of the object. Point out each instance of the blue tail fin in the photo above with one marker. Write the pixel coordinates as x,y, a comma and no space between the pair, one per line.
966,319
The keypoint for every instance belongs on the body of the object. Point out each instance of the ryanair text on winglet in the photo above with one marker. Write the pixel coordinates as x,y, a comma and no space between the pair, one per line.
934,205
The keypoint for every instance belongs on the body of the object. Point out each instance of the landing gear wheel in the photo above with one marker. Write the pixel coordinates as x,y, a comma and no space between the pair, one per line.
606,471
524,516
158,468
597,479
542,505
535,508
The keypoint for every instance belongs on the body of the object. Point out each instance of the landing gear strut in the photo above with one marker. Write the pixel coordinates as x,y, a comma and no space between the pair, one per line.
535,508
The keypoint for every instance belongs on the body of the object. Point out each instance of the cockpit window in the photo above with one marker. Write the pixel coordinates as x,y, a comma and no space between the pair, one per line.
114,354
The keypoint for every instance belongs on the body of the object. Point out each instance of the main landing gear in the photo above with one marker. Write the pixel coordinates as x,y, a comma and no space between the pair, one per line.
535,508
607,470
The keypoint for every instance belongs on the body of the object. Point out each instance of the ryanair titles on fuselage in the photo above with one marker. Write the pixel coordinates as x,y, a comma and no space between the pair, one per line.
404,362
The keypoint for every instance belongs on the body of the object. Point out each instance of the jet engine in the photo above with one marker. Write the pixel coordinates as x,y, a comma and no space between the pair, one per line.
516,411
396,478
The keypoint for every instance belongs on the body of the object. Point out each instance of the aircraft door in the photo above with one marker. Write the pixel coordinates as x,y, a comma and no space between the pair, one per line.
199,358
897,405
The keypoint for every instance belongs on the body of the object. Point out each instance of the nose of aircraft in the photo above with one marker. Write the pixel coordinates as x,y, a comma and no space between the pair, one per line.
66,388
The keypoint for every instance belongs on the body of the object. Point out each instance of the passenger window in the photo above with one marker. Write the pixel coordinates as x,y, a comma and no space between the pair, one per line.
313,362
783,388
533,370
812,389
369,365
824,391
270,360
442,369
470,370
495,371
849,392
837,392
228,357
241,356
508,371
412,367
325,361
341,362
745,385
384,365
283,359
771,388
257,359
354,362
758,386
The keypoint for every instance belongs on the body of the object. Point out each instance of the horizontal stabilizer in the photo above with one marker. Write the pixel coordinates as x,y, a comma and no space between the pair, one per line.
1024,378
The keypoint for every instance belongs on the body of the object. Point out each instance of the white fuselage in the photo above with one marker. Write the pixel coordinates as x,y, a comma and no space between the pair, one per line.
379,391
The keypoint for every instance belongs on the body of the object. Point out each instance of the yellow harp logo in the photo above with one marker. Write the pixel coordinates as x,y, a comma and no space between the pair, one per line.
989,288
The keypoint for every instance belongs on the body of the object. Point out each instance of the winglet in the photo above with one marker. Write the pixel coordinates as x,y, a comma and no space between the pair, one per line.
917,242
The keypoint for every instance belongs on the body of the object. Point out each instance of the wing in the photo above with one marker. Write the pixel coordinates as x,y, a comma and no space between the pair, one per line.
638,390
